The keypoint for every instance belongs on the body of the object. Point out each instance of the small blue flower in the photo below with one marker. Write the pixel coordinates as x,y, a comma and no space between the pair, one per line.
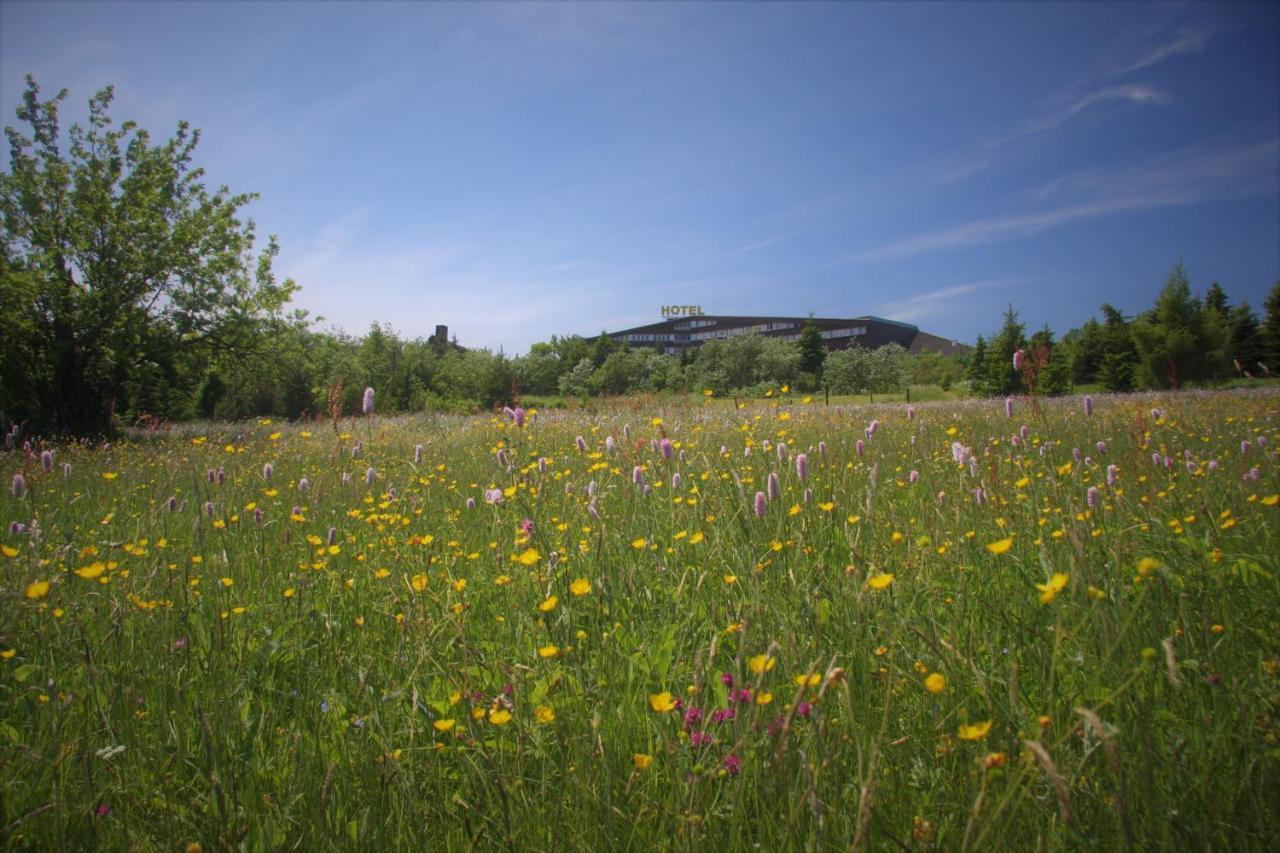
324,707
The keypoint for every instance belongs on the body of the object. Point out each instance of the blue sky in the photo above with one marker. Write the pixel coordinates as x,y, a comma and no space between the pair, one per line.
519,170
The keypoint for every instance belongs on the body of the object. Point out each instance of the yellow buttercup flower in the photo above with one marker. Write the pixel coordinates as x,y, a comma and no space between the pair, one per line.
641,761
548,605
662,702
881,581
1001,546
444,725
92,571
761,664
499,716
37,590
544,714
581,586
1050,590
977,731
529,557
935,683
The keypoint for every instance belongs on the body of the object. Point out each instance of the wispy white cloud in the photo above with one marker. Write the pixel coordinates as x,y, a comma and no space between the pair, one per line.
1186,41
1187,177
933,303
1130,92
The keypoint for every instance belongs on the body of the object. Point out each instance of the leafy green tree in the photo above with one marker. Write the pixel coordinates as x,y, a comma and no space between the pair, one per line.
1215,299
1119,358
1001,378
1086,347
577,382
128,275
1245,333
849,371
1271,329
1054,378
1170,338
813,348
976,371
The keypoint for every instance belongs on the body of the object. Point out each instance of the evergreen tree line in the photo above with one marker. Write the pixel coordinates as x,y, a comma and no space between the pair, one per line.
1182,340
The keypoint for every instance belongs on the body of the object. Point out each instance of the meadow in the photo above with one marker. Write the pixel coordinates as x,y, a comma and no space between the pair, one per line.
678,625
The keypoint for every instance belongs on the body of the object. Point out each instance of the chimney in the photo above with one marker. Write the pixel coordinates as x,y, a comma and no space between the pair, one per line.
442,334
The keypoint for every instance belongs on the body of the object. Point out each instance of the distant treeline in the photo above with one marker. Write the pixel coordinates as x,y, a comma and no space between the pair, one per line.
1182,340
131,293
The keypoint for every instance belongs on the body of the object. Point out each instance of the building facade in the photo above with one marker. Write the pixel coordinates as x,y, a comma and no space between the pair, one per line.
674,335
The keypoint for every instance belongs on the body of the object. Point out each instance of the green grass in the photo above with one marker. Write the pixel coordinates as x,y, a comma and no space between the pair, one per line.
200,675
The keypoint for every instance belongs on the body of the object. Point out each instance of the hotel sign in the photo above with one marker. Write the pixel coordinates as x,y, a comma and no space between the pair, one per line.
682,311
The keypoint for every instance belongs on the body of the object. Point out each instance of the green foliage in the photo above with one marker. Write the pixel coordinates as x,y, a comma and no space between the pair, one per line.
131,276
1271,329
855,370
1053,377
813,348
1170,339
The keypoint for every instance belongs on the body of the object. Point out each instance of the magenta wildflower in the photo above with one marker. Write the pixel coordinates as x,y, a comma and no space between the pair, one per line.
697,739
304,485
333,535
1092,497
726,679
268,471
1088,406
19,486
732,764
518,416
1101,447
860,447
665,447
1112,473
759,505
773,487
471,503
914,476
526,527
802,466
637,476
369,475
1008,407
46,460
692,717
367,402
675,481
1018,358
